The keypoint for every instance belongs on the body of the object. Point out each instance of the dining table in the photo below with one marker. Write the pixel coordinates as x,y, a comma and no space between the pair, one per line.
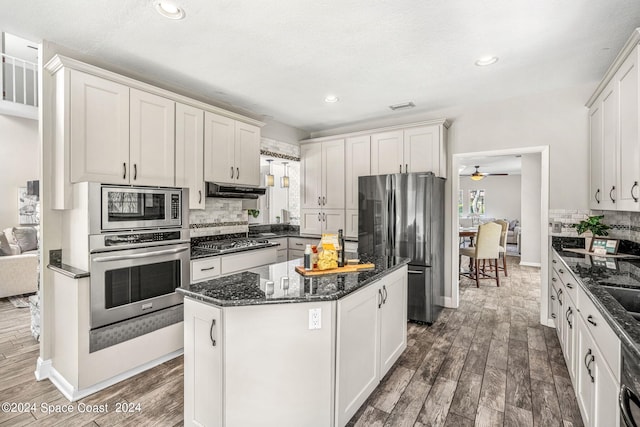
471,233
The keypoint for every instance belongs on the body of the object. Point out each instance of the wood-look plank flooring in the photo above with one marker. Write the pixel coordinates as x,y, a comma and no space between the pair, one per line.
488,363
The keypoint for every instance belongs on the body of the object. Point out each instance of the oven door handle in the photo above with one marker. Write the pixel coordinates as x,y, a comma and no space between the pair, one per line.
138,256
627,395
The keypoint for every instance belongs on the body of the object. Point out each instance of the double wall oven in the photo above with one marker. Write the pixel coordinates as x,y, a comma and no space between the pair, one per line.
139,250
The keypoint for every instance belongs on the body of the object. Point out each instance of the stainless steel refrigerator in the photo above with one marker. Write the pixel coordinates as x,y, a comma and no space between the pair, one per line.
403,215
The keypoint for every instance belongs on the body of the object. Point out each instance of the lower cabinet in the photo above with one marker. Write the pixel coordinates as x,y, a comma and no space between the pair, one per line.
202,364
597,387
318,221
371,335
282,251
211,267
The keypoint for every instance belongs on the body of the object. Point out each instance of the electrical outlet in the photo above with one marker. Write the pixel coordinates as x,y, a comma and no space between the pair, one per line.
556,227
315,318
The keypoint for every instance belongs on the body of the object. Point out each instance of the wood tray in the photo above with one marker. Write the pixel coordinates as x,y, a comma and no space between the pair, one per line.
340,270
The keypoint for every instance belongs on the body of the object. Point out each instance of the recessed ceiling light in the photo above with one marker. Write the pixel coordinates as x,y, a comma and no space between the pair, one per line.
486,60
168,9
331,99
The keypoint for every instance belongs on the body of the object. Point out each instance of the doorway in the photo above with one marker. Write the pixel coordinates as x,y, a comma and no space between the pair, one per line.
534,194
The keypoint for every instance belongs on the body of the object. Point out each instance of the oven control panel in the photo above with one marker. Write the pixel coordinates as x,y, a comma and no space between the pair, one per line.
136,238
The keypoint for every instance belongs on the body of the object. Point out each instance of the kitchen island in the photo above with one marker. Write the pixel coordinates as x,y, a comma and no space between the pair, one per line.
270,347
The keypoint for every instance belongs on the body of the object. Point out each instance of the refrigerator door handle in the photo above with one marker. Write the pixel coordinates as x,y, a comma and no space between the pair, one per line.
415,272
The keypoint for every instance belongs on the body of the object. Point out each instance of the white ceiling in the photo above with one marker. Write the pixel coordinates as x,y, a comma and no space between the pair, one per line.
281,58
510,164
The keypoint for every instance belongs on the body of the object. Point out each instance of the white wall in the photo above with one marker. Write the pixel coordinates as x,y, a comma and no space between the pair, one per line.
19,151
502,196
530,233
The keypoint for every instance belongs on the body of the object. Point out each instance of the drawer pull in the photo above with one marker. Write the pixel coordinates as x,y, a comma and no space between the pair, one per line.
553,297
588,364
569,285
124,174
380,298
635,184
553,279
553,315
554,261
207,269
561,271
596,196
590,320
569,313
611,191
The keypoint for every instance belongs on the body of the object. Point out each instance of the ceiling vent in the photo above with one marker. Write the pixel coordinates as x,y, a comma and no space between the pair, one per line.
403,106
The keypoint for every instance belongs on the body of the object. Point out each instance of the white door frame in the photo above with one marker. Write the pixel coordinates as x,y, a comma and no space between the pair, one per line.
544,221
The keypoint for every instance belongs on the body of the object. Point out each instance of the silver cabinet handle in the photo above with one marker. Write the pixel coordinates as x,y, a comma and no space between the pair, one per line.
611,191
237,173
596,196
200,196
635,184
124,173
142,255
213,341
208,268
135,171
231,172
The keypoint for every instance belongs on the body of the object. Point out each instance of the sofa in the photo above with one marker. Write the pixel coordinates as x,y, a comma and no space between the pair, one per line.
18,261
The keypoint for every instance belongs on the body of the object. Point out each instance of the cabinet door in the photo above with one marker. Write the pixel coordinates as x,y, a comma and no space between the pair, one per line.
247,154
332,220
357,349
333,174
202,364
219,135
99,129
569,318
596,156
351,223
609,144
422,150
152,140
606,411
357,163
311,221
190,153
311,175
585,373
387,153
629,141
393,319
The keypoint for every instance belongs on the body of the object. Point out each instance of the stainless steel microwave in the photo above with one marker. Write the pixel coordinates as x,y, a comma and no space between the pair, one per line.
116,207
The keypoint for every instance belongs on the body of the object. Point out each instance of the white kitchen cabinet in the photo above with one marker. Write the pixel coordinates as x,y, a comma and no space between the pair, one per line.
614,115
190,153
318,221
414,149
371,335
205,268
203,346
120,135
351,223
322,175
387,152
282,251
357,164
98,119
231,151
235,262
152,139
297,246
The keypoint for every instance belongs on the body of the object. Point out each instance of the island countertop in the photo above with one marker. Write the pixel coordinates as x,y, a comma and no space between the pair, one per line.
250,287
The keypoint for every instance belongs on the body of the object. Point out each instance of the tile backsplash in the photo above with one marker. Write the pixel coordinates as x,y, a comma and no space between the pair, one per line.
624,225
220,216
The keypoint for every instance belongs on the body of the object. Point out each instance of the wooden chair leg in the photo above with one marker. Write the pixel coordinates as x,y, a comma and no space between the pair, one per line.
478,273
497,273
504,264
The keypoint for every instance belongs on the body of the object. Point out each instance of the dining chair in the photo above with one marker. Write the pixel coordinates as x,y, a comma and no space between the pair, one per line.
487,248
503,244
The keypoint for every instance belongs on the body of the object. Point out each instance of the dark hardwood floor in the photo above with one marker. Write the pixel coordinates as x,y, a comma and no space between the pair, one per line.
488,363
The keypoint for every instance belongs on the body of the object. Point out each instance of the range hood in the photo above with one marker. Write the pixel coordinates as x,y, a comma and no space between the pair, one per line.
234,191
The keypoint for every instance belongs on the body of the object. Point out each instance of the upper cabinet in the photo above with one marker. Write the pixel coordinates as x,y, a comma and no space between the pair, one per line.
323,168
613,132
189,153
119,135
414,149
107,128
358,163
231,151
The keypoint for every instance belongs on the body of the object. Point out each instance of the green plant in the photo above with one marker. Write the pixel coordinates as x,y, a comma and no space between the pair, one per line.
593,225
253,212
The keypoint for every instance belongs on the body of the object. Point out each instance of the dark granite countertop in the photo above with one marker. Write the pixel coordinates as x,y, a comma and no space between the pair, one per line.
55,264
249,287
595,272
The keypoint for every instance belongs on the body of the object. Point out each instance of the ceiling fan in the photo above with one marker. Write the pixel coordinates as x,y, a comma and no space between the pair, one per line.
477,175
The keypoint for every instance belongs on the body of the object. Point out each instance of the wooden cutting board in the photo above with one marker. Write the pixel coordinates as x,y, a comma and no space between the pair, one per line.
340,270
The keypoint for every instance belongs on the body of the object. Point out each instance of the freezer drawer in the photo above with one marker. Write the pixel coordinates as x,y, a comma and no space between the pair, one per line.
420,294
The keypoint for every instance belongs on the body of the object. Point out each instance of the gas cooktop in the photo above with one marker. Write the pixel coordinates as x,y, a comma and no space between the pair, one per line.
236,245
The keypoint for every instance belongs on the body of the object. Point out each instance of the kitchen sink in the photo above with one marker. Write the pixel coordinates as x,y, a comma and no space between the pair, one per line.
628,298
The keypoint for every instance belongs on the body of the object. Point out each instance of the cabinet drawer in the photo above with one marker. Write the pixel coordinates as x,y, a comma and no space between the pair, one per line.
247,260
205,269
299,243
604,337
295,254
565,275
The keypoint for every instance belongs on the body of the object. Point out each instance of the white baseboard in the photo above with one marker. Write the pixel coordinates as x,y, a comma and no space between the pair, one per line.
74,394
448,302
530,264
43,369
549,323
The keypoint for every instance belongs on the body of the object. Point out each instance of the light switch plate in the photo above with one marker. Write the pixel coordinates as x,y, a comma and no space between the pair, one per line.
315,318
556,227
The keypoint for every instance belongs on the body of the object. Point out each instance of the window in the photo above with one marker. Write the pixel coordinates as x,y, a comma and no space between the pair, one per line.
460,201
476,202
